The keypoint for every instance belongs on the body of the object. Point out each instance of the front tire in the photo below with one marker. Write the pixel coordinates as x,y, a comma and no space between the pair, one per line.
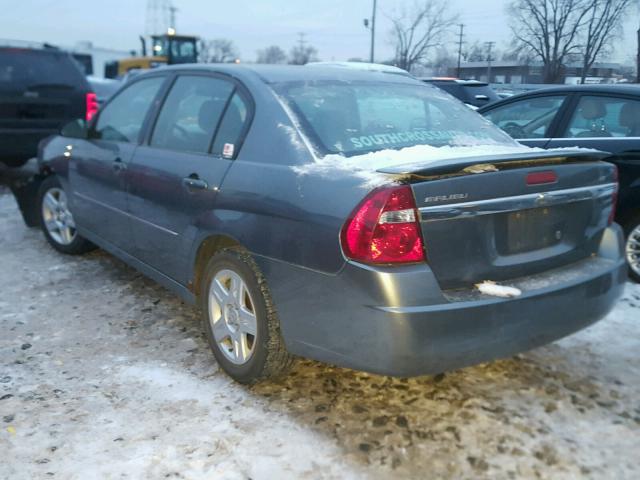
240,322
56,220
632,246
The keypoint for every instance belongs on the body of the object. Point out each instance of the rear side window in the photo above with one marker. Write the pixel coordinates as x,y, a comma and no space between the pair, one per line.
527,118
24,68
605,117
121,119
231,128
190,114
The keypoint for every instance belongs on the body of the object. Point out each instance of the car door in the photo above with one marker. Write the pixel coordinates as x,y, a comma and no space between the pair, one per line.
612,124
98,167
531,119
176,173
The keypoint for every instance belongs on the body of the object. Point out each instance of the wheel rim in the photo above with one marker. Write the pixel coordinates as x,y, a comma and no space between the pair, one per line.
57,218
232,316
633,250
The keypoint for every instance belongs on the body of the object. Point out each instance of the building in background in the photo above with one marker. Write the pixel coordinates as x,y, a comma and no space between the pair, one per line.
513,72
93,59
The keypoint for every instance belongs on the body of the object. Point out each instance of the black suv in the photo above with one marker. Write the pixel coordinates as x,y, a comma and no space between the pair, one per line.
472,92
40,91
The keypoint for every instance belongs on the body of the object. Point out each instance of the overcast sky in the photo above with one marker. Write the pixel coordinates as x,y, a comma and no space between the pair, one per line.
334,27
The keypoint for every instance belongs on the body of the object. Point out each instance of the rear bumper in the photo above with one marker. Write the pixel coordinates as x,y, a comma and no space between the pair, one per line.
400,323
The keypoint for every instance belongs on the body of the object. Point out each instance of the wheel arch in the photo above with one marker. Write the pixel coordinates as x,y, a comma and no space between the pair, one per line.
207,248
627,215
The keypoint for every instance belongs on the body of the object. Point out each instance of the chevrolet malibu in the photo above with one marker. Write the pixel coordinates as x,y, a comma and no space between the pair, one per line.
359,218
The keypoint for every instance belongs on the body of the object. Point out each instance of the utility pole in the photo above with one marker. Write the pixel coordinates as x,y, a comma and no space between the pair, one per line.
373,31
461,34
301,40
489,48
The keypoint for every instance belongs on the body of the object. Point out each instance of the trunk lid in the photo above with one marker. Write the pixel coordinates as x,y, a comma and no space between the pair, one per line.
482,219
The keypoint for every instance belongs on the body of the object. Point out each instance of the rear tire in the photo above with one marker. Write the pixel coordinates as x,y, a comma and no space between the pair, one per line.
56,220
239,319
632,246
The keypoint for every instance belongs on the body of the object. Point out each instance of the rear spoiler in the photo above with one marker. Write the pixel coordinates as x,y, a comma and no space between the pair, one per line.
488,163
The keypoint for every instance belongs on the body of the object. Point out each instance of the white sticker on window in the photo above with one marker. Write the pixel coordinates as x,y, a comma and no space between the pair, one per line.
227,150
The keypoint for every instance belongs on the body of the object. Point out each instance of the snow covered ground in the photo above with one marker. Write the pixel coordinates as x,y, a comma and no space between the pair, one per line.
104,374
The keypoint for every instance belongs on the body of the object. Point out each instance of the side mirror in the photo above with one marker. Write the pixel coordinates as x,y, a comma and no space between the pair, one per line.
75,129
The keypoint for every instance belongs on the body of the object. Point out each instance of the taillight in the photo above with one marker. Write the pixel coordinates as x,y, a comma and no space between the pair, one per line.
614,196
384,228
92,105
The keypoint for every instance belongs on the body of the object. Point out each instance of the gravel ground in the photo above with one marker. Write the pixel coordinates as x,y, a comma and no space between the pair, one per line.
104,374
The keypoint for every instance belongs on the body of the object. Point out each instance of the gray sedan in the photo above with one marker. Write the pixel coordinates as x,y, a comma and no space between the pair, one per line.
359,218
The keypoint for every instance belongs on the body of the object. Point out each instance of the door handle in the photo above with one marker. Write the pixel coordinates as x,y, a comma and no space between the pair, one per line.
194,183
118,165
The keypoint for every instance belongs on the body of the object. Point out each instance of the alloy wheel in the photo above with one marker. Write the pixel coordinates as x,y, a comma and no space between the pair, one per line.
232,316
57,218
633,249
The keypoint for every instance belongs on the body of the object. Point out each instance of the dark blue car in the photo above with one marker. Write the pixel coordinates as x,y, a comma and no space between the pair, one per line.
603,117
359,218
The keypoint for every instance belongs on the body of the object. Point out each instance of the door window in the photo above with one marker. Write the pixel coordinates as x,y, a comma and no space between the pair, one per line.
605,117
191,113
231,128
122,118
527,118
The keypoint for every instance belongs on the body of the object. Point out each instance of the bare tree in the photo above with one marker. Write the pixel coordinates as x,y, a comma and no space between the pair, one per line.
549,28
603,21
302,54
443,62
418,29
518,54
475,53
219,50
272,54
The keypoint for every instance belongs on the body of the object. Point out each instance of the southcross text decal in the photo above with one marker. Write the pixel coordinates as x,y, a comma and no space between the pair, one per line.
414,136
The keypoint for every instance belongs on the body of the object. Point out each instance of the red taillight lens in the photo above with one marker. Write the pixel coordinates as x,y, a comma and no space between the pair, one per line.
92,105
384,228
540,178
614,196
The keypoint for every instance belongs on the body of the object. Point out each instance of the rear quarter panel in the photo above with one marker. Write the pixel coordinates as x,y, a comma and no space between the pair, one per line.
268,206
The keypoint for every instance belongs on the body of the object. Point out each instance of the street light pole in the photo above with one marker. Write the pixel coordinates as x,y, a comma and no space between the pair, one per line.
373,31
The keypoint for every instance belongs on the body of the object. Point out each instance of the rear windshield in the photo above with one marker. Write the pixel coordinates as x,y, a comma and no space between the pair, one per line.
24,68
354,118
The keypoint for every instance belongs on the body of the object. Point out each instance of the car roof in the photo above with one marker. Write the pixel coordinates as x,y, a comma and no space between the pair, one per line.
43,50
458,81
625,89
613,89
366,66
291,73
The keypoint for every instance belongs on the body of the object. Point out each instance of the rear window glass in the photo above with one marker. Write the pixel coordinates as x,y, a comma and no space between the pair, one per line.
22,68
353,118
